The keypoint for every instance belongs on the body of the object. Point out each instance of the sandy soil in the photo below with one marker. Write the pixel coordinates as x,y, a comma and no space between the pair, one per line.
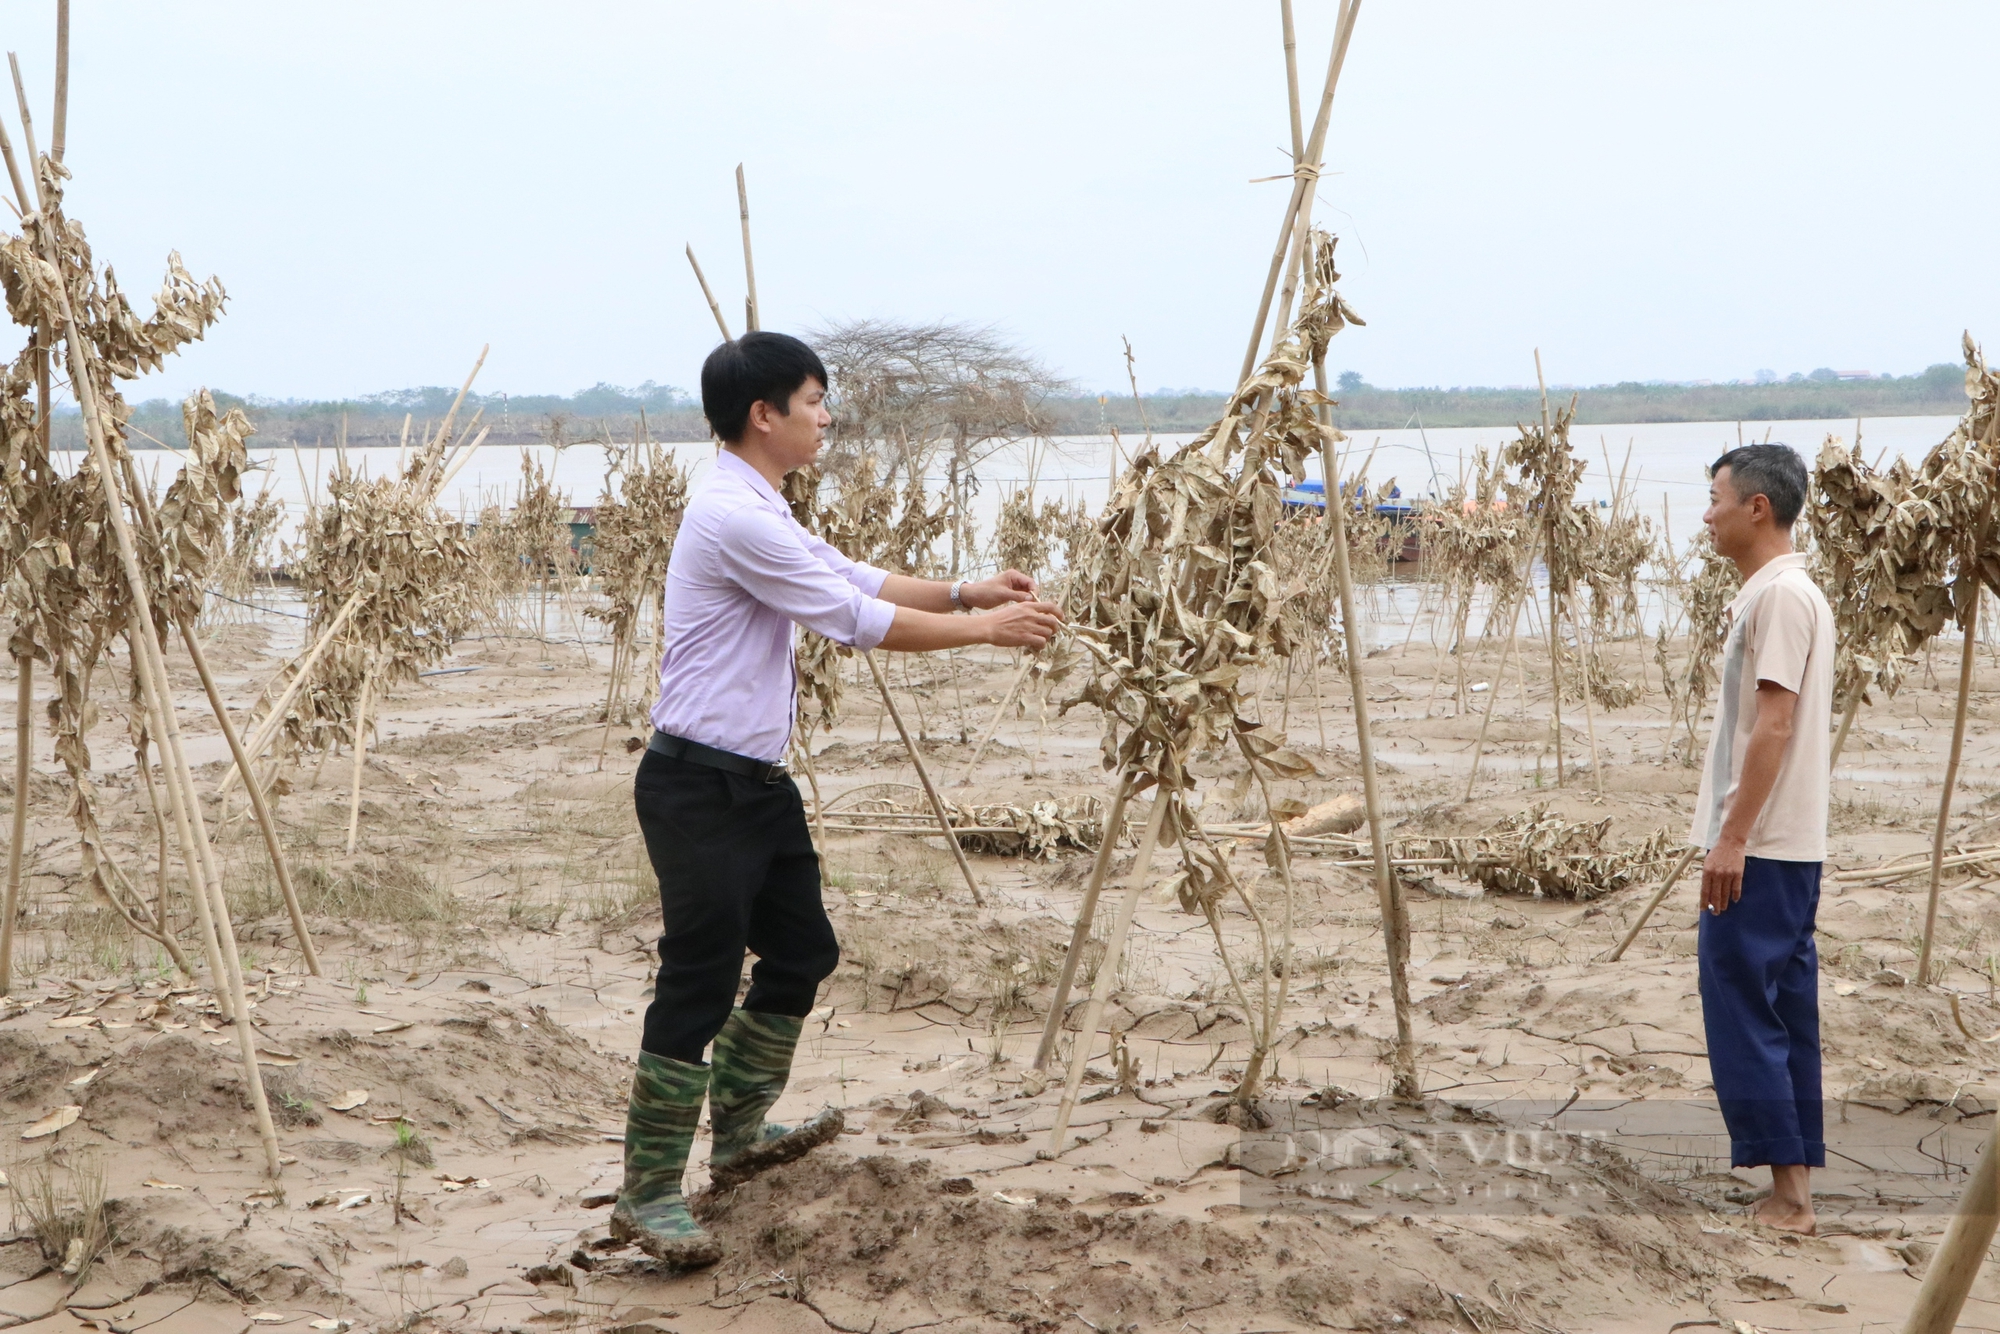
486,957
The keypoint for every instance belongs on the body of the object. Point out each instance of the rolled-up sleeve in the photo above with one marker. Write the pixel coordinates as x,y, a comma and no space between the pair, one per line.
776,562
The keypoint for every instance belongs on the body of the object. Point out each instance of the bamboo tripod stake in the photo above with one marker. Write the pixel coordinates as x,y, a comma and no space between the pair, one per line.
267,823
709,296
1107,845
1969,623
999,714
360,756
1555,634
1395,915
1961,1254
1506,651
1107,972
1301,175
1846,724
752,322
881,682
276,717
24,721
150,674
924,777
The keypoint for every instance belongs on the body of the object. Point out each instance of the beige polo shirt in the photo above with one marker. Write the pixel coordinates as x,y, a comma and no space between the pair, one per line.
1780,630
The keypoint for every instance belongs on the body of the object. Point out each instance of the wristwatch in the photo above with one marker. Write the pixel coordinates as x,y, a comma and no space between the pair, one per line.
956,600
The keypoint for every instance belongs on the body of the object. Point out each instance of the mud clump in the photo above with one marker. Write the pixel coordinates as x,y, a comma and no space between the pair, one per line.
29,1073
896,1237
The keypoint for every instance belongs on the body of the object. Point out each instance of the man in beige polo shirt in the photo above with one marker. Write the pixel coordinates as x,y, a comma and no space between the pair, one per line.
1762,817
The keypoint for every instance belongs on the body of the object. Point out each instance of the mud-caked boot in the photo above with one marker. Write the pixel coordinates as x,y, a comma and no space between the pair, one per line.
753,1059
659,1131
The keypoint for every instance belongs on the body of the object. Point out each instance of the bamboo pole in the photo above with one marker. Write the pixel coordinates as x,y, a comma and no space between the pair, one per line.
1107,846
1846,724
1555,634
1107,971
923,776
149,671
267,823
1395,915
610,698
276,717
1962,1253
1344,28
59,121
360,756
1659,897
1506,651
751,320
709,296
1969,623
1589,651
993,729
1302,218
24,722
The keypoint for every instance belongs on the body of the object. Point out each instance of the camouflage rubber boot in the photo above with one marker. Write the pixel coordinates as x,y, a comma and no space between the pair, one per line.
659,1131
753,1059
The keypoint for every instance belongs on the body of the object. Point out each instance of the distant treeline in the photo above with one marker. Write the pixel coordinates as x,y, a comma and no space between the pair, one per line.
609,412
1938,391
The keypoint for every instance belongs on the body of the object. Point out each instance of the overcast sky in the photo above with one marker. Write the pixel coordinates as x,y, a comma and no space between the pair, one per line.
1695,190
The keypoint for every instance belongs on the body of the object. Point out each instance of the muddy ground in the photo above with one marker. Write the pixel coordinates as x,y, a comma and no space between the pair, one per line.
486,958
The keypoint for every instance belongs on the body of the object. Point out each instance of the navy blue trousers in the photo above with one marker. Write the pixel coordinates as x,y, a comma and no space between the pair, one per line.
1760,1005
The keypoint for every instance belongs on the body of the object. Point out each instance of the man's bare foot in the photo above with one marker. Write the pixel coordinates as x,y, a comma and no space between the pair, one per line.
1789,1205
1785,1216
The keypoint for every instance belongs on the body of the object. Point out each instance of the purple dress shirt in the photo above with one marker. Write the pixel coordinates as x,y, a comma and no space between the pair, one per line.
743,574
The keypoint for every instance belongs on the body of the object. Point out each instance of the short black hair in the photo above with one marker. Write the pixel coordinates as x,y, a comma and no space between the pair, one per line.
756,368
1775,472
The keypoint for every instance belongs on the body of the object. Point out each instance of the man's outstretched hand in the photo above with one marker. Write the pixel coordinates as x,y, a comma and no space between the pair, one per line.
1003,588
1021,624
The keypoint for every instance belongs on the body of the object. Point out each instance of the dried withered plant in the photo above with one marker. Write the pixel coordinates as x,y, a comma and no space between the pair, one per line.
636,521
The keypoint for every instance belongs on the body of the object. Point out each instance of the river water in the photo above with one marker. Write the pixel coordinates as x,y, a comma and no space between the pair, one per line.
1664,464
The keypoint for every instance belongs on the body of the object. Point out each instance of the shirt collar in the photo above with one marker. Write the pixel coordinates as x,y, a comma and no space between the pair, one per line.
736,467
1758,582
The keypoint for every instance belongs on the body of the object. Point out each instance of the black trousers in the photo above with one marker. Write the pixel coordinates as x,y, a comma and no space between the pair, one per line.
737,872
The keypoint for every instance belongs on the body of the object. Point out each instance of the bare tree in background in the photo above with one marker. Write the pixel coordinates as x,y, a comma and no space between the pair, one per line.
910,392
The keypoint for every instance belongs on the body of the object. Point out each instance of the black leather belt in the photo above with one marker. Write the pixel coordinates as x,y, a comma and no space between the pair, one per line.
680,748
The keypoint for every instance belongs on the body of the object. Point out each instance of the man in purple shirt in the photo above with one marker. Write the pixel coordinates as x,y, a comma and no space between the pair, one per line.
724,824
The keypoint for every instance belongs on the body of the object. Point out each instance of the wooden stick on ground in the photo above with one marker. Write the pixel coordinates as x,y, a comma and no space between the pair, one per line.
1659,897
24,736
1107,846
267,823
1107,973
924,777
1969,624
1962,1253
713,309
